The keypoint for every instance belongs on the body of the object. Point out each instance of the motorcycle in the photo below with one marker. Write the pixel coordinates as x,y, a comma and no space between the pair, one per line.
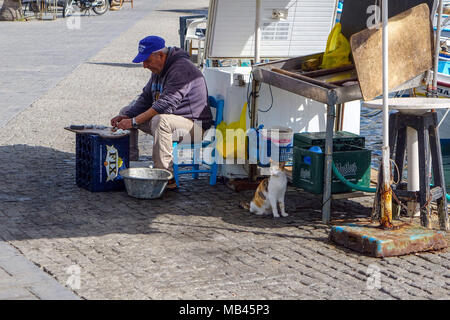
98,6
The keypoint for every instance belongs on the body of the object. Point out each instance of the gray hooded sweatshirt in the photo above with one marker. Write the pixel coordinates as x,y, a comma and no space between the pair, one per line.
179,89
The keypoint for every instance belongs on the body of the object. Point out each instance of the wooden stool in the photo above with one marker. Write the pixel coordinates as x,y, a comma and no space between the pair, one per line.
428,140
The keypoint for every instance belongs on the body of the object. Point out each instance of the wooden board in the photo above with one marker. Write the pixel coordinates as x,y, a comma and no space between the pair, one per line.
105,133
410,51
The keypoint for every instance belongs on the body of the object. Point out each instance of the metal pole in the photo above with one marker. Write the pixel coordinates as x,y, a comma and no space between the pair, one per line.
326,202
258,32
255,84
386,192
434,92
254,123
437,48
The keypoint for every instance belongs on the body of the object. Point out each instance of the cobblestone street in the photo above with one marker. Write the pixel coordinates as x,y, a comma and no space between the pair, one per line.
194,243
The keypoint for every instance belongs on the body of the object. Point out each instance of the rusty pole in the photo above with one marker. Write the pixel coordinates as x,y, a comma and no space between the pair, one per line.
437,48
386,191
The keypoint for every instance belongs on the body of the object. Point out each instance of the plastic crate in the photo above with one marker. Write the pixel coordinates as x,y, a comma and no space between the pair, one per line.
285,154
99,161
352,162
309,139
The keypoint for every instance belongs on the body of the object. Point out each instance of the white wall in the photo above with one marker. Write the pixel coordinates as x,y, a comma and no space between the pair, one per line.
288,109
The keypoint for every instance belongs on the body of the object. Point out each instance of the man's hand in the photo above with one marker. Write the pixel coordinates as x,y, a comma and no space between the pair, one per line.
125,124
115,121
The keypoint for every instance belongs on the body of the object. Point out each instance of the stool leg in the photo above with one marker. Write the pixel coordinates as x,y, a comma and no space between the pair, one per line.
213,176
400,154
175,163
424,167
196,159
393,131
400,148
376,203
438,176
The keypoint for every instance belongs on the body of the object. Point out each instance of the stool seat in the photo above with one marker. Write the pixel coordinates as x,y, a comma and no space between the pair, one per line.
410,105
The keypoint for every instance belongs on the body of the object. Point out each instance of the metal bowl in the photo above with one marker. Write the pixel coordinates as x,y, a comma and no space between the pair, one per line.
145,183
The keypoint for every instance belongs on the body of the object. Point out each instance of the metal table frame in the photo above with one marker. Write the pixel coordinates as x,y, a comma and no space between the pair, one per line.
323,94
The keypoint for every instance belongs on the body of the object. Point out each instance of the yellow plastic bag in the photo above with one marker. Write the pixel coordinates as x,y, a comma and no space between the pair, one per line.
337,51
231,137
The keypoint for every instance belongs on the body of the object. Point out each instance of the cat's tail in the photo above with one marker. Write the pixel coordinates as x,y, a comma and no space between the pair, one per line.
244,205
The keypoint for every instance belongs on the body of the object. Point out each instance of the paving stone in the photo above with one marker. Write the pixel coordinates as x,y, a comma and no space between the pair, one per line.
12,293
185,245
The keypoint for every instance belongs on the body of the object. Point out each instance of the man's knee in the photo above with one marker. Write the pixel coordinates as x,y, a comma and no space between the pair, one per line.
156,120
167,124
160,122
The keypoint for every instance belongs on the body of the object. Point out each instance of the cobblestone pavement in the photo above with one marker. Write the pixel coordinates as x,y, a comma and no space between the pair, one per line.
196,243
39,54
21,279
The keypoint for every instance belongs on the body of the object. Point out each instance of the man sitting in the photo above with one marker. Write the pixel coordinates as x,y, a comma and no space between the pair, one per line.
175,100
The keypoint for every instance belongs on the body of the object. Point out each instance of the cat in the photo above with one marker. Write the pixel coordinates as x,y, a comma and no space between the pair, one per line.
270,193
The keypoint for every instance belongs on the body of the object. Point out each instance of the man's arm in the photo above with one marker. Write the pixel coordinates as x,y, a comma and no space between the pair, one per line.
126,124
146,116
176,87
142,103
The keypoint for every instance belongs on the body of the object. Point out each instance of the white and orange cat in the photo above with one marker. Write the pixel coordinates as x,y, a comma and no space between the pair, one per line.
270,193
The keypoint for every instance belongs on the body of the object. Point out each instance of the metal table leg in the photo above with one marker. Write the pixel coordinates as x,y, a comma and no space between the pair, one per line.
326,204
254,123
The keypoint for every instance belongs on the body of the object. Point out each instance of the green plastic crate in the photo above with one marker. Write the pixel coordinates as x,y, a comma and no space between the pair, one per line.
309,139
352,162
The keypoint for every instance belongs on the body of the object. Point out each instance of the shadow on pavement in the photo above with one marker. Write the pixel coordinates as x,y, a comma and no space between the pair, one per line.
115,64
39,199
190,11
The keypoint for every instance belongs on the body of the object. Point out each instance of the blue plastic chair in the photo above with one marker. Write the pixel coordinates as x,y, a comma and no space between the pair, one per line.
196,148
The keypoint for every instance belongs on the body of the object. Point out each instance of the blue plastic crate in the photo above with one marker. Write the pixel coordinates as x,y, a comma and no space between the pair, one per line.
99,161
285,155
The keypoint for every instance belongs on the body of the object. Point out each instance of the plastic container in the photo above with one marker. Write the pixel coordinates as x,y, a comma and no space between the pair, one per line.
280,136
308,139
316,149
146,183
276,144
352,162
99,161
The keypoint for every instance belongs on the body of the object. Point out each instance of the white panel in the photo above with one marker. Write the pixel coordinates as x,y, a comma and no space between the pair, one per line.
352,118
304,31
288,109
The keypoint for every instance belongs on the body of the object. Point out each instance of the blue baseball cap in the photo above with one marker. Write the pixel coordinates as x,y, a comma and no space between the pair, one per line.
147,46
